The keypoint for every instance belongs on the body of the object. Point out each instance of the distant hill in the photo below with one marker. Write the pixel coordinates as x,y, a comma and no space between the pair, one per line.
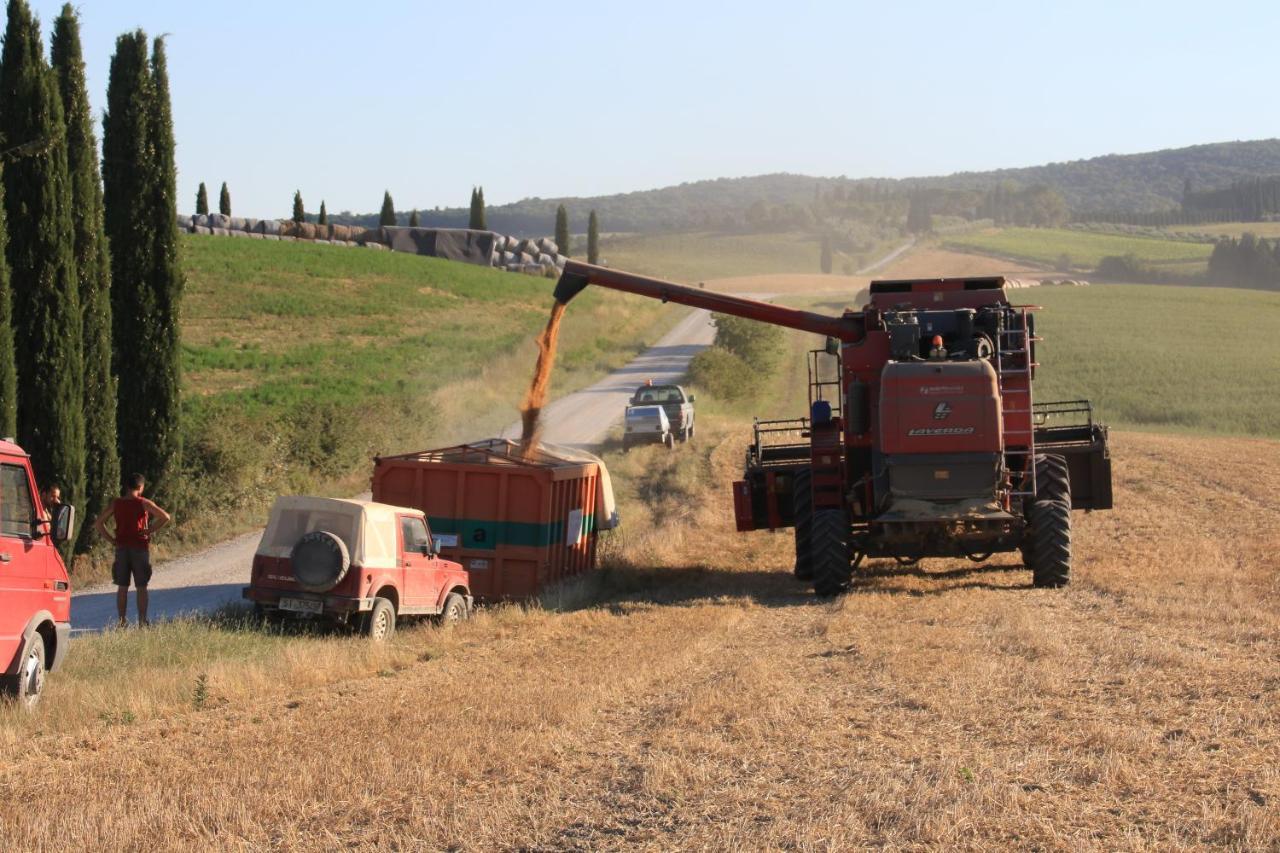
1116,182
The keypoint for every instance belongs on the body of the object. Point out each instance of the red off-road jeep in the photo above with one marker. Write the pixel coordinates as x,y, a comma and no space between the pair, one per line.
35,594
354,562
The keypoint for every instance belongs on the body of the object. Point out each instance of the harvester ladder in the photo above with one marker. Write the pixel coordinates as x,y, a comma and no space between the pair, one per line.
1013,359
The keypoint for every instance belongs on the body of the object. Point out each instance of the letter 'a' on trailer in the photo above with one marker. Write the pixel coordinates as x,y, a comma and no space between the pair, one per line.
517,523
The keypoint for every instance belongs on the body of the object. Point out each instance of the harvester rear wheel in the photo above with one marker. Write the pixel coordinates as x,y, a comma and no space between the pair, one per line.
1050,549
802,506
830,552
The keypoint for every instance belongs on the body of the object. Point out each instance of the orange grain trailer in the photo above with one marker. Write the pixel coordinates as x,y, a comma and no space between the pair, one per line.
517,524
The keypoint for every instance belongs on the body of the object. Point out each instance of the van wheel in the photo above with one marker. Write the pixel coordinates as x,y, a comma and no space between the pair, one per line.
380,624
455,610
25,686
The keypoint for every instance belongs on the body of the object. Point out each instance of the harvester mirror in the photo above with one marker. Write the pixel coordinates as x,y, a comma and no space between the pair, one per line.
693,398
435,547
833,345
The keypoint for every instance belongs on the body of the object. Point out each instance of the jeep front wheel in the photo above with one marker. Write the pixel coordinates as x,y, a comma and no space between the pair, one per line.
380,624
455,610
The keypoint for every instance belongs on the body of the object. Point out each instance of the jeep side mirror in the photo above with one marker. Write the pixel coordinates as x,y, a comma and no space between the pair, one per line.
64,522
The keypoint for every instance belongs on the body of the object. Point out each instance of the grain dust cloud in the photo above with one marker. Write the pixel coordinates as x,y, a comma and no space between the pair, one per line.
536,397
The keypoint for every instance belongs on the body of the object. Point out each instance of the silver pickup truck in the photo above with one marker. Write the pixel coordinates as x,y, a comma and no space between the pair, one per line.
675,404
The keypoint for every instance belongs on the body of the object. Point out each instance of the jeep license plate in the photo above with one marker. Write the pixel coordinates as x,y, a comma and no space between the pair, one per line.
301,605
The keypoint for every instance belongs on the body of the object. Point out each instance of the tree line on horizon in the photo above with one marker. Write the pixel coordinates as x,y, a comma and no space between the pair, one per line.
89,277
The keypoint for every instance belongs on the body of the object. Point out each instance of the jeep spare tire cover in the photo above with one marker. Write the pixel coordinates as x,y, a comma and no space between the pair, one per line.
320,560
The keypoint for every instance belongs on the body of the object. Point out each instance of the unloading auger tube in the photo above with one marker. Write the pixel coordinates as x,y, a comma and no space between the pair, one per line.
921,440
578,275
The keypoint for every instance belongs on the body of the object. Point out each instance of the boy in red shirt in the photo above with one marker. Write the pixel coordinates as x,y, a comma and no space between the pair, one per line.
132,514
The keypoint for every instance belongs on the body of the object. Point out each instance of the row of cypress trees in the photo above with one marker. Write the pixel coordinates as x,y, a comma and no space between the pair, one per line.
202,200
88,336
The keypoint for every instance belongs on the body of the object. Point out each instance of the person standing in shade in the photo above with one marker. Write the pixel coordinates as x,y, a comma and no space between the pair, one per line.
133,515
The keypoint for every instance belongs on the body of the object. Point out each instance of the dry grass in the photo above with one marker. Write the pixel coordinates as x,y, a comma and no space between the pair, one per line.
793,283
929,262
711,702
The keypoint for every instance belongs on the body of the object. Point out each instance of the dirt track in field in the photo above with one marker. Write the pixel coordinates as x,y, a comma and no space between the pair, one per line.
712,702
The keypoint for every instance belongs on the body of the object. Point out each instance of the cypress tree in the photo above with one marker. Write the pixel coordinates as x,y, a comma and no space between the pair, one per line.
160,446
41,253
8,371
299,212
102,462
388,214
224,200
138,183
480,223
593,239
202,200
562,229
413,219
323,218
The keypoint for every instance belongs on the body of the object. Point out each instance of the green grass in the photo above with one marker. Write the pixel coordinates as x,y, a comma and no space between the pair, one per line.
1050,246
692,257
301,361
1270,230
1163,358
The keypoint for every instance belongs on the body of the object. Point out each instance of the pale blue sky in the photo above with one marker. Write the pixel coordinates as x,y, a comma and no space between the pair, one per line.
344,99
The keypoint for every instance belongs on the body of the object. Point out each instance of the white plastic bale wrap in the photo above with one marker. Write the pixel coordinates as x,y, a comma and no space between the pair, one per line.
236,223
200,220
184,222
219,220
201,229
606,507
545,260
560,261
251,225
547,245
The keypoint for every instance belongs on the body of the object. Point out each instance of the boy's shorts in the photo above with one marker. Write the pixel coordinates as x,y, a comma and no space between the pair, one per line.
132,562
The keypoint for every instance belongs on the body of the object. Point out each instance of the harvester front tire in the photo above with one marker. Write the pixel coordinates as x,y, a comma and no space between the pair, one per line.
829,540
1050,549
802,507
1053,483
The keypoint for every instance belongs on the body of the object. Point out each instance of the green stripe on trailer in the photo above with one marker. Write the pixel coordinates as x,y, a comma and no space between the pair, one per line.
487,535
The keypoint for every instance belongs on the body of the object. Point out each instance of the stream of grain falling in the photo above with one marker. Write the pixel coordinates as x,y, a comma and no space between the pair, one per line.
536,397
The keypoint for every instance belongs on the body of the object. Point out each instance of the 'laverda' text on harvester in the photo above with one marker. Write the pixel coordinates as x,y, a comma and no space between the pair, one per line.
922,437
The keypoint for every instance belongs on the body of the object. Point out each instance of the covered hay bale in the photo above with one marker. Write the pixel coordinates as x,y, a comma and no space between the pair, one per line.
220,232
184,222
219,220
560,260
306,231
268,226
200,220
548,246
288,228
251,225
236,223
324,232
545,260
373,245
341,232
201,229
275,237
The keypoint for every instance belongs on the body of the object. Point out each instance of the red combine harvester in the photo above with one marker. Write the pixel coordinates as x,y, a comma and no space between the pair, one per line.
922,438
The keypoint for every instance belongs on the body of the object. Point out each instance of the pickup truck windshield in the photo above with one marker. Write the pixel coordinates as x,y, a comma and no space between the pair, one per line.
658,395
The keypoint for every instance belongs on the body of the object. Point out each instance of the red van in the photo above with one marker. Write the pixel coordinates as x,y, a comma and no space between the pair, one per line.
35,593
354,562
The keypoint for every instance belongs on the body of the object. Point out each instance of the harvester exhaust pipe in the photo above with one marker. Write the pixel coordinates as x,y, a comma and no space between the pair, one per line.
577,275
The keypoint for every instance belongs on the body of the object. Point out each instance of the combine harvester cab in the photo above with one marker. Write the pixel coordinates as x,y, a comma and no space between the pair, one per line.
922,437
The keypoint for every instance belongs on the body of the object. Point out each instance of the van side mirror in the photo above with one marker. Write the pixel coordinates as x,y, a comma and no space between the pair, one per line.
63,522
